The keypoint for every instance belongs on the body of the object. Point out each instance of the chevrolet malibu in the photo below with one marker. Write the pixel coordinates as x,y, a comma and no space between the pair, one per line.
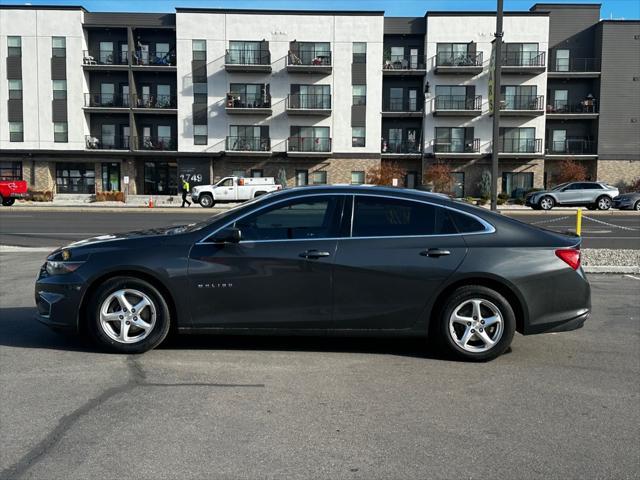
334,260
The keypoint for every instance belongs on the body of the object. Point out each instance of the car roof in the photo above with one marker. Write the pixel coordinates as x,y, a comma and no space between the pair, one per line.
366,189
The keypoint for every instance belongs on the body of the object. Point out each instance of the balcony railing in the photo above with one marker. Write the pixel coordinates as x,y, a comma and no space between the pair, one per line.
160,59
395,147
404,62
522,102
589,105
575,65
151,142
458,102
524,59
155,101
107,142
247,56
248,100
309,57
520,145
106,100
309,144
248,144
572,146
105,57
448,59
309,101
402,105
455,145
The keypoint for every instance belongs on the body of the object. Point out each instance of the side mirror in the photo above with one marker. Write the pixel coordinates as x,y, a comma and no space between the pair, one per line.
228,235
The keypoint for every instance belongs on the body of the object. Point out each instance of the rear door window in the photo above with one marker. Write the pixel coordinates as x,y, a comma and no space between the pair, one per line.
466,223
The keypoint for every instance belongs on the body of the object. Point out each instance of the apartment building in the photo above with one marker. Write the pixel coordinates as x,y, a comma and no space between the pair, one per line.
93,102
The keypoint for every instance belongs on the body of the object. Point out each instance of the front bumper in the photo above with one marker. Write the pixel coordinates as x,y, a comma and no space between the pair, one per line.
58,300
622,204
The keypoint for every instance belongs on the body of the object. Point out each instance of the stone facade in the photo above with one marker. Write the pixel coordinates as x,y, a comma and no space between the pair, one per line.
616,172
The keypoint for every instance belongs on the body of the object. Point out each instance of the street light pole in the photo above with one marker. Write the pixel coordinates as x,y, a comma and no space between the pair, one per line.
497,70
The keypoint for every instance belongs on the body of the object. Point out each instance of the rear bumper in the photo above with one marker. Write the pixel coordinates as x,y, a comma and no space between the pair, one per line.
17,195
560,326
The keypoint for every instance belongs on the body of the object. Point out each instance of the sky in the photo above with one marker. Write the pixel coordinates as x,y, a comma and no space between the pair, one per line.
615,9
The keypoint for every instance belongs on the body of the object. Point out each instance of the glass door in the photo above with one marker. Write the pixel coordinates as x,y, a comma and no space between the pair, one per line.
395,99
126,135
395,140
559,141
107,92
124,53
106,53
560,100
164,137
457,140
124,92
108,136
562,60
111,177
163,99
145,97
413,100
413,60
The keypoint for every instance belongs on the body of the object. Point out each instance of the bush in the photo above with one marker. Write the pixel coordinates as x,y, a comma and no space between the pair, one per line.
439,174
110,197
482,200
469,199
385,173
520,201
503,196
485,184
501,201
571,171
633,186
40,195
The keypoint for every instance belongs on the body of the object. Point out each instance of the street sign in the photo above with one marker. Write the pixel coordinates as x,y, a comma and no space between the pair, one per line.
125,179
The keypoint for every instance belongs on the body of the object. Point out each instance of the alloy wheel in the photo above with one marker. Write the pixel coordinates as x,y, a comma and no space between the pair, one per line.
637,207
604,203
127,316
546,203
476,325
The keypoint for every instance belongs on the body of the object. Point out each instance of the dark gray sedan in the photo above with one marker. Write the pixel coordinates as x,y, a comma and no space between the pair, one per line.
323,261
627,201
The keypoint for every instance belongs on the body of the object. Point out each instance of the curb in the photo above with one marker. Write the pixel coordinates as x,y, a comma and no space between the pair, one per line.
210,211
611,269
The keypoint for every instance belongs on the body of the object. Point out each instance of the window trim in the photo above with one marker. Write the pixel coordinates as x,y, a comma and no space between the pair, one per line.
489,229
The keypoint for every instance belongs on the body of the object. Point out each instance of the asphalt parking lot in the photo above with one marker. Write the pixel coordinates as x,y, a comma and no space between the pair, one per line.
556,406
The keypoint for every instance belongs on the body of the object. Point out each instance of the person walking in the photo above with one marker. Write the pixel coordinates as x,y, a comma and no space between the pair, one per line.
185,191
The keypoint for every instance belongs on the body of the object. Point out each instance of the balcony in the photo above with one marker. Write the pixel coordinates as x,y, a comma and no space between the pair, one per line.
457,106
523,62
586,109
309,61
398,107
404,65
105,60
106,142
466,63
247,60
155,143
456,148
309,146
400,150
248,146
522,105
248,104
154,60
106,102
309,104
581,147
155,103
520,147
575,68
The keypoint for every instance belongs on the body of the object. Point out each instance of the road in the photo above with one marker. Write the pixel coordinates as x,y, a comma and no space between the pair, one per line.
557,406
31,228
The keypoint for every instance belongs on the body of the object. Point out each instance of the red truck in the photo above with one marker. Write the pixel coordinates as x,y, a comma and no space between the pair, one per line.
12,189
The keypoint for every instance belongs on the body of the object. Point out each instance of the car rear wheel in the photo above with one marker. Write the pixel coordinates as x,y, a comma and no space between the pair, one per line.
128,315
603,203
476,323
547,203
7,202
206,201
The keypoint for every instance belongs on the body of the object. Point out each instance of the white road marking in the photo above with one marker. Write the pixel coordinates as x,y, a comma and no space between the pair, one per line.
633,276
13,249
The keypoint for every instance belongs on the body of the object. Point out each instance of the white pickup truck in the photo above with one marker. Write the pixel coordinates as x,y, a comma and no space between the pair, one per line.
233,189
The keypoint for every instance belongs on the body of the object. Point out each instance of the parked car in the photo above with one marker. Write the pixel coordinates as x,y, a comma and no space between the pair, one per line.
338,260
627,201
10,190
233,189
593,195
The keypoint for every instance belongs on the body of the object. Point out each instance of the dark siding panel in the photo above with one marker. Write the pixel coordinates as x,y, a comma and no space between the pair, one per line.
358,73
58,68
59,110
14,110
133,19
14,68
358,115
199,113
405,26
199,69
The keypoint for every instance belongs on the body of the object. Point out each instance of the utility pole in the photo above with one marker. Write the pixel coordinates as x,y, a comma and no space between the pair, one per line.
497,71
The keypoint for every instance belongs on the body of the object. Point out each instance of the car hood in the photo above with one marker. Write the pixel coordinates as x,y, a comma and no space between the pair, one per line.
152,232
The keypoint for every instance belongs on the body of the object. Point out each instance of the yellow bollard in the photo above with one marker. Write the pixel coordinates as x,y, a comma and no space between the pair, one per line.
579,222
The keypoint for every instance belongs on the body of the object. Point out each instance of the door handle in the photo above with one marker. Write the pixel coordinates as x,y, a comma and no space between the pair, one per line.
435,252
314,254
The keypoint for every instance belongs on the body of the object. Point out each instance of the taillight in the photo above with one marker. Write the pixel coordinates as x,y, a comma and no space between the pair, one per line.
570,256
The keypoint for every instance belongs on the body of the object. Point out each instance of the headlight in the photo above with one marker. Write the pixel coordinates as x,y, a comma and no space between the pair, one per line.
54,267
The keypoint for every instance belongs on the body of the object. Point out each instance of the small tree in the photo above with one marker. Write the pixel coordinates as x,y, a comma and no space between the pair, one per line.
385,173
571,171
484,185
439,174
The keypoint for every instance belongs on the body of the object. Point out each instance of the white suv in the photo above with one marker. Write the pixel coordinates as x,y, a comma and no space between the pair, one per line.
593,195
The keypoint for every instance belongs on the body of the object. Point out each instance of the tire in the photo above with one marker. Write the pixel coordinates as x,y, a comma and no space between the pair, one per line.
105,303
206,200
603,203
592,207
259,194
547,203
453,328
637,205
536,207
7,202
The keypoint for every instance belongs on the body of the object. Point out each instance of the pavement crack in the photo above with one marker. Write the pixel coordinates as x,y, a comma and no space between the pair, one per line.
196,384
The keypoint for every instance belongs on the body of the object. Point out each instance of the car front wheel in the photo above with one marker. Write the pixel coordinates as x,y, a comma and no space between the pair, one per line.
128,315
604,203
547,203
206,201
637,205
476,323
7,202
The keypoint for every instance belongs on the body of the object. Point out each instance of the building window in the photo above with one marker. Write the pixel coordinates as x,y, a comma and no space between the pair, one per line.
60,132
16,133
10,170
257,173
319,177
200,134
359,94
238,173
75,177
562,60
517,184
358,136
14,46
199,93
15,89
302,178
58,47
357,177
160,178
59,89
199,48
359,52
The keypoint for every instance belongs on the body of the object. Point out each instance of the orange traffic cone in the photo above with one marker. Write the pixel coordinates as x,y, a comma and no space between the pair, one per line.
150,202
